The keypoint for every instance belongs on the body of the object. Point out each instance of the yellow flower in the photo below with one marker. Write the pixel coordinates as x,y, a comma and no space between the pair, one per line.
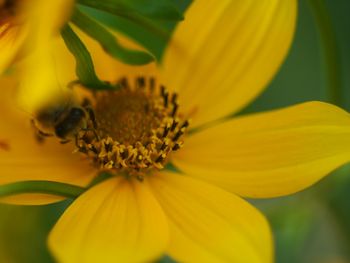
221,58
23,23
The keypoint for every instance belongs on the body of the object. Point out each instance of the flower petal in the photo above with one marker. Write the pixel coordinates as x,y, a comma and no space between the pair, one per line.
226,52
31,199
47,80
11,40
116,221
110,69
270,154
33,24
22,157
208,224
46,17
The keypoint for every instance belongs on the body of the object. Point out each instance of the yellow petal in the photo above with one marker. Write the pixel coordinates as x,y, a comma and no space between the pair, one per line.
22,157
225,53
11,40
111,69
116,221
208,224
46,17
33,24
40,78
270,154
45,73
31,199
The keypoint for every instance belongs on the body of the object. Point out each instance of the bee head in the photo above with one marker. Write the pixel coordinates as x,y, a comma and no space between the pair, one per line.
72,122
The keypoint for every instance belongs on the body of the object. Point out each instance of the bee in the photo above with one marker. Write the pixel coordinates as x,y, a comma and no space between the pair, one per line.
64,119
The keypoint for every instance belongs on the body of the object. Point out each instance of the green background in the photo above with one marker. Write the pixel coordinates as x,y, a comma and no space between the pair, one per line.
310,226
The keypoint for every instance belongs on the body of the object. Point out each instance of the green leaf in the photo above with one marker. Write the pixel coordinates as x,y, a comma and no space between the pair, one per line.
42,187
164,9
100,178
110,7
84,65
166,259
147,37
108,41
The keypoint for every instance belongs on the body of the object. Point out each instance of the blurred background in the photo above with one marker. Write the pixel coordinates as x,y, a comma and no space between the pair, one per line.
310,226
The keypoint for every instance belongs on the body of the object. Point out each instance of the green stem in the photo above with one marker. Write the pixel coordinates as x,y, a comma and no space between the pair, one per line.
330,49
41,187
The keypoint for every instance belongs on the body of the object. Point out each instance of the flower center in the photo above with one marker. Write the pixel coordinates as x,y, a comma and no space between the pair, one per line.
133,129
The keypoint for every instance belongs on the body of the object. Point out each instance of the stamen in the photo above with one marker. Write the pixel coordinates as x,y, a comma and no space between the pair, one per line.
140,82
123,82
173,126
177,146
136,128
166,131
178,134
185,124
173,113
152,84
174,99
165,96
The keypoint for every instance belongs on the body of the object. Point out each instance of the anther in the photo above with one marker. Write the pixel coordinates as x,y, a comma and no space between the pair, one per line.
162,90
178,134
166,100
123,82
185,124
164,145
173,126
166,131
174,98
140,82
124,154
165,96
174,109
161,158
176,146
152,84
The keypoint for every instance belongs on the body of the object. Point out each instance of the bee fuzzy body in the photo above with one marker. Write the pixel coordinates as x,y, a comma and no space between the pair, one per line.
74,120
64,121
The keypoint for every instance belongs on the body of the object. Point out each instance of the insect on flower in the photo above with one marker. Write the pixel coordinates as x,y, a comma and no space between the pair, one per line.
64,119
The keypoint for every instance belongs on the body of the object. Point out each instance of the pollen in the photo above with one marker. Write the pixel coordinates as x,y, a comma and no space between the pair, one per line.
135,128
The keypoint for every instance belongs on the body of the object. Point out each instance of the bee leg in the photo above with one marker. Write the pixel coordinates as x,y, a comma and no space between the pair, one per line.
44,134
87,106
39,134
92,130
65,141
80,148
92,116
